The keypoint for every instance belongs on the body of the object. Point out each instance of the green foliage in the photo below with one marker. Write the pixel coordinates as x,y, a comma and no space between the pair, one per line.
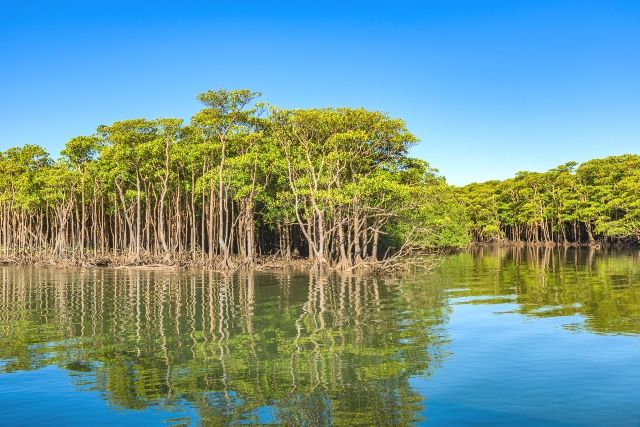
597,200
326,183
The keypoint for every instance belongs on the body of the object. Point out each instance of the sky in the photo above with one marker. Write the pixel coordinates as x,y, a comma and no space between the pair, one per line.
489,87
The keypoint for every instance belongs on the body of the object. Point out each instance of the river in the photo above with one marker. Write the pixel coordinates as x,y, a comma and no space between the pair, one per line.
490,337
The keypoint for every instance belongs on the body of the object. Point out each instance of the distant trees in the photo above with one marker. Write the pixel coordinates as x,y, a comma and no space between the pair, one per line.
592,203
243,180
238,182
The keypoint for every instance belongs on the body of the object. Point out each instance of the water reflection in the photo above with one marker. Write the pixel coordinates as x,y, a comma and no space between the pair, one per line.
602,286
298,349
254,348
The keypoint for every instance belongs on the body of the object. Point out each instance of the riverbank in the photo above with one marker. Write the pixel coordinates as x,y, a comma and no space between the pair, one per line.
425,261
596,244
178,261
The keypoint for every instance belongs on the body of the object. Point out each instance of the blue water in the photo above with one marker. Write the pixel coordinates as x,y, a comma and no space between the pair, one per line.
494,338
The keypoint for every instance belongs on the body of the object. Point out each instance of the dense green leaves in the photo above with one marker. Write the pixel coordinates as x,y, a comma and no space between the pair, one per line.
596,201
239,181
242,180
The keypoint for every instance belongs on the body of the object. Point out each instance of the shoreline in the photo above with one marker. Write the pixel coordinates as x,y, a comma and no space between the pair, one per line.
148,263
184,263
520,244
179,262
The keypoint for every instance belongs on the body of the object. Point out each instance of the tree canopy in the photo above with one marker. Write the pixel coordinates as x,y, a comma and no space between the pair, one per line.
242,182
596,202
239,182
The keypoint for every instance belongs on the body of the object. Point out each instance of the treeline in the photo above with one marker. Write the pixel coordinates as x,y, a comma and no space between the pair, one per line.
594,203
239,182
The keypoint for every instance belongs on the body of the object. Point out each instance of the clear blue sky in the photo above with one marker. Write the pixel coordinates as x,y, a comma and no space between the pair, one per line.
490,87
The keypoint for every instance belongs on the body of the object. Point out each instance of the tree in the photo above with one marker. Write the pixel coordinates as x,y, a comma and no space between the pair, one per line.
227,116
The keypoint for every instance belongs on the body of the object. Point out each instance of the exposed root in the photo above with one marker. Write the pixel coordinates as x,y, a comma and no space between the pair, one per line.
401,261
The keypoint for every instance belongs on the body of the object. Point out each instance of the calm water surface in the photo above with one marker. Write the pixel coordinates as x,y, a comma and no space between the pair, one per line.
527,337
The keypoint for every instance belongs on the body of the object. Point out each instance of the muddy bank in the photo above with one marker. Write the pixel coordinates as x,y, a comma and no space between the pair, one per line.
422,261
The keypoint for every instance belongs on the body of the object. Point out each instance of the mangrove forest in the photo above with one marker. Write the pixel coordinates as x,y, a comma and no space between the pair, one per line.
240,183
244,183
593,203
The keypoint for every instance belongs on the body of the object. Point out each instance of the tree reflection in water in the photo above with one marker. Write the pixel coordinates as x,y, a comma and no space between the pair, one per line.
246,347
288,347
602,286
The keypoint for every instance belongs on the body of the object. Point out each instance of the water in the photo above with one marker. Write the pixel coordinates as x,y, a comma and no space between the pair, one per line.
526,337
